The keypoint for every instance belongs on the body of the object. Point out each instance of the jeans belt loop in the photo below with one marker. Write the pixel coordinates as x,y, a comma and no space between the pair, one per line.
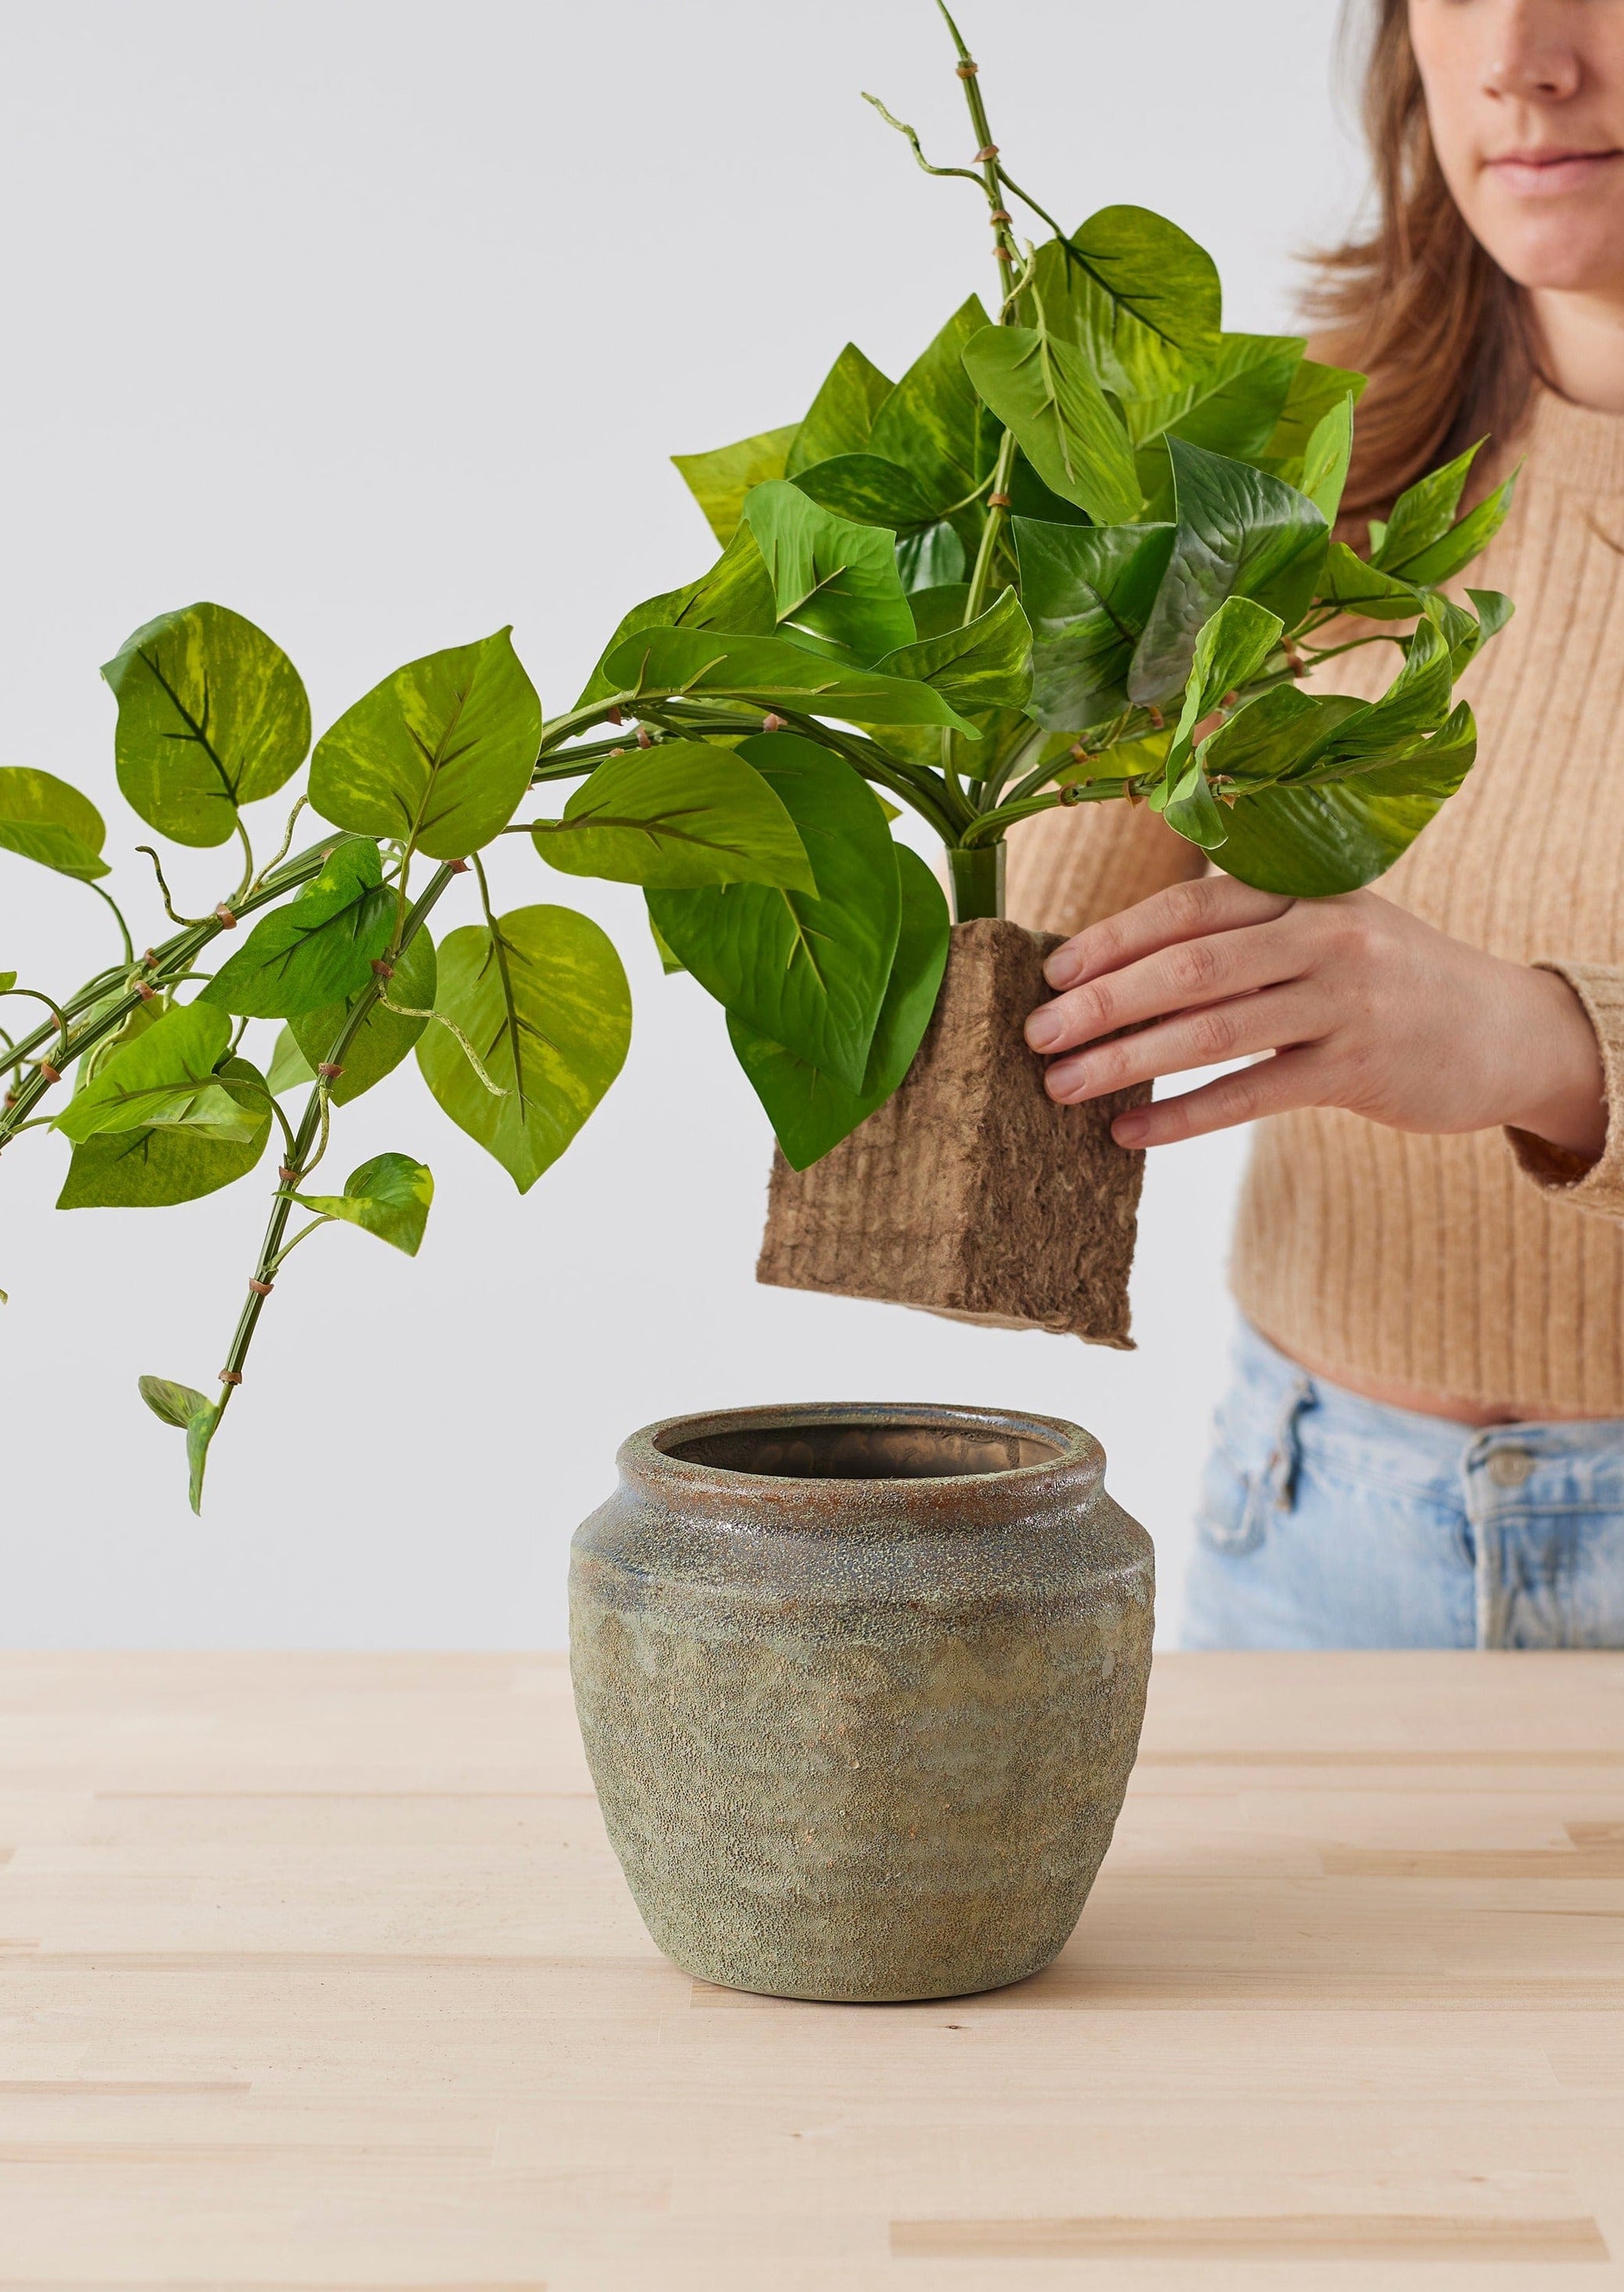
1286,1455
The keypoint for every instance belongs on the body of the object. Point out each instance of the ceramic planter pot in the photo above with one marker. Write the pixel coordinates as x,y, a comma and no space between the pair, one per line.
861,1690
970,1192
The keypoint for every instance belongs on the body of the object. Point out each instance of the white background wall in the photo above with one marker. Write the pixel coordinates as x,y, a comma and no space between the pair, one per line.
376,319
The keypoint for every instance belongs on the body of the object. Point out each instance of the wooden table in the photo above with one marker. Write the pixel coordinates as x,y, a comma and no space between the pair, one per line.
318,1971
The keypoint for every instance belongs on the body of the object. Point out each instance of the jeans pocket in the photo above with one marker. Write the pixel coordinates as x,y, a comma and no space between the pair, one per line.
1236,1504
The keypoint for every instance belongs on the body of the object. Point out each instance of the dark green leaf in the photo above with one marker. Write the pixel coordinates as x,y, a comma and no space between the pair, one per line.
289,1069
771,673
545,1004
830,576
930,559
212,714
871,492
1040,388
1493,610
1308,841
318,949
841,415
1229,652
811,1112
439,754
1140,299
720,481
736,593
166,1076
676,818
1269,738
1416,703
1089,591
986,666
44,819
1030,498
149,1168
807,971
931,425
384,1037
1240,533
389,1195
1231,404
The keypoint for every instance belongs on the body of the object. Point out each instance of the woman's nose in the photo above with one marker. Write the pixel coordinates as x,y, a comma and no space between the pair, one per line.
1531,57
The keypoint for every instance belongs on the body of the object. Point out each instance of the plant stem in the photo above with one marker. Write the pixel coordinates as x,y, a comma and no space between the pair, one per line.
981,579
975,878
124,928
312,1120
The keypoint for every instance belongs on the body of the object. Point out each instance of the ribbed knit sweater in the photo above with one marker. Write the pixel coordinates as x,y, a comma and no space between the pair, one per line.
1487,1268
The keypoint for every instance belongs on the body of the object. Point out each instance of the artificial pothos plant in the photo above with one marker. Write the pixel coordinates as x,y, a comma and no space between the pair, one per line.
1081,552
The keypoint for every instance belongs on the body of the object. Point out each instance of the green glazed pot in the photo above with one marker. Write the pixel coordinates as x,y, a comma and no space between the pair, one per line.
861,1690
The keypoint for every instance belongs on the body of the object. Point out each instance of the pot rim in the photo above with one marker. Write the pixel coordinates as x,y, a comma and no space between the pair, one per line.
1077,1455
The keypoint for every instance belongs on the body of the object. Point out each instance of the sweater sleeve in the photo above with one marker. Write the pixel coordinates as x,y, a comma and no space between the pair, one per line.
1071,868
1595,1186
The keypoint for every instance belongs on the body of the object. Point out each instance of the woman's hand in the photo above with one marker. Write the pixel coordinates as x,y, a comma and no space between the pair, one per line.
1362,1006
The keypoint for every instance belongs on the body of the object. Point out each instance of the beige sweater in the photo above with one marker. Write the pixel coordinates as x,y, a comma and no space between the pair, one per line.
1479,1268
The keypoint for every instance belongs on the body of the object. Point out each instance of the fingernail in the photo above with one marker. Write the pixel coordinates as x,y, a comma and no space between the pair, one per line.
1063,967
1129,1129
1044,1028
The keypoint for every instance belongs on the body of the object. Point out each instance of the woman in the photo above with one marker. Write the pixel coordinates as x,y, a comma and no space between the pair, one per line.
1424,1445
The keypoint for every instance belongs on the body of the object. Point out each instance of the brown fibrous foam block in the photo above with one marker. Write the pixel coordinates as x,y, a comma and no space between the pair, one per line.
971,1193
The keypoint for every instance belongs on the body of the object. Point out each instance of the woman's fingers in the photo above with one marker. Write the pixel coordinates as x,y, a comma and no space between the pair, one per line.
1182,977
1277,1085
1240,1029
1213,903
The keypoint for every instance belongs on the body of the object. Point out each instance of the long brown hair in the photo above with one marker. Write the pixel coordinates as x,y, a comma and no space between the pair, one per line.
1445,336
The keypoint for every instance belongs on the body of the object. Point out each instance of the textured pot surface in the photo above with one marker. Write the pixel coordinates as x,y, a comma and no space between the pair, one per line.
969,1193
861,1690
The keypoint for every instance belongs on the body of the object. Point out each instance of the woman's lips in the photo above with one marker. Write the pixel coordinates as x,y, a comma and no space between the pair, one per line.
1547,175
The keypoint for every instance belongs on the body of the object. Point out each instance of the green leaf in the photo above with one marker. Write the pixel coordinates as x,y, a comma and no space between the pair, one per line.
1358,588
1240,533
830,576
1424,513
1308,841
669,963
1229,652
44,819
1041,388
1269,738
842,415
1315,390
931,425
190,1412
720,481
1089,591
165,1076
389,1195
154,1168
1325,462
771,673
1231,404
1416,703
8,980
868,491
675,817
928,559
808,972
1137,295
319,948
736,593
988,664
384,1037
1455,550
811,1112
290,1069
543,999
439,754
212,714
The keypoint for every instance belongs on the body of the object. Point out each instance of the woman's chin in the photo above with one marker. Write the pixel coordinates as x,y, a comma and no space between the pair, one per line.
1559,252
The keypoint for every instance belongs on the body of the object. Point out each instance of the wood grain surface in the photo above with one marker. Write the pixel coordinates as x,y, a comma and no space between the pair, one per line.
318,1972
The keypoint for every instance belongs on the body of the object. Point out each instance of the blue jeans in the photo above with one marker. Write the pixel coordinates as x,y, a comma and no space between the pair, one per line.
1329,1521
